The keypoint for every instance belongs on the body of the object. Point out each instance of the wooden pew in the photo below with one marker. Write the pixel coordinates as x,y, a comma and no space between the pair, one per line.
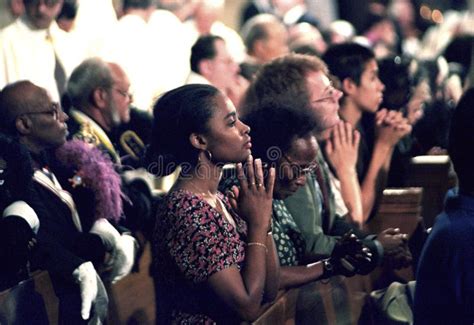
399,208
32,301
434,175
281,312
132,299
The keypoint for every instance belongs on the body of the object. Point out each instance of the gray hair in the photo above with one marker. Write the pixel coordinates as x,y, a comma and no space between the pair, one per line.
256,29
91,74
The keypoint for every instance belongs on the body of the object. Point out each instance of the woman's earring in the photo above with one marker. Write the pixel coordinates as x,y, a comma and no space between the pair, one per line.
208,155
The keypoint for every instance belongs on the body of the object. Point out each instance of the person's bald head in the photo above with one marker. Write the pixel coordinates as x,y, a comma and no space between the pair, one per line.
265,37
117,72
19,98
87,77
29,114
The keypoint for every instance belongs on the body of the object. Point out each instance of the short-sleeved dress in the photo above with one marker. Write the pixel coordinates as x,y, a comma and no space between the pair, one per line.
192,241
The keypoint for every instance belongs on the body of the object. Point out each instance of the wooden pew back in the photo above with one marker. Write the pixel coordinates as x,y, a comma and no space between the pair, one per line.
32,301
432,173
399,208
132,299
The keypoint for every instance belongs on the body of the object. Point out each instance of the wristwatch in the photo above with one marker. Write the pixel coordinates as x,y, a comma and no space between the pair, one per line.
328,268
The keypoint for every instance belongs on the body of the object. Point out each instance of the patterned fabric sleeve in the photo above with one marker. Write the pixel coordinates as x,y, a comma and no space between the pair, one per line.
200,241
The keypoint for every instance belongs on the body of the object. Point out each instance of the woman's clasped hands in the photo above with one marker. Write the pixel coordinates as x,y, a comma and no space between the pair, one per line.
253,199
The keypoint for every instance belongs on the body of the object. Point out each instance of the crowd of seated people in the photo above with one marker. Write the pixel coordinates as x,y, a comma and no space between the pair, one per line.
282,138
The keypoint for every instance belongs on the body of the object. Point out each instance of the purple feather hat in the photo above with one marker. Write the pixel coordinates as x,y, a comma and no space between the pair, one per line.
95,171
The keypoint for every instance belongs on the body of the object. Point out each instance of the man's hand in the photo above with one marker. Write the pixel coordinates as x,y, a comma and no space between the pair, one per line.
342,147
349,256
398,258
391,240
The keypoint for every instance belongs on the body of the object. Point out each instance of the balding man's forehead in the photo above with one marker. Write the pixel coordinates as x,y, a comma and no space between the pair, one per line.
116,69
26,97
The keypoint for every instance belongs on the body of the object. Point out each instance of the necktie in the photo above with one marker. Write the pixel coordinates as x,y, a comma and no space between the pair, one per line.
59,73
325,194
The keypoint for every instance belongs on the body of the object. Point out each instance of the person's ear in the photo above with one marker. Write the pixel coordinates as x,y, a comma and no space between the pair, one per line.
259,49
349,86
23,124
205,67
100,97
198,141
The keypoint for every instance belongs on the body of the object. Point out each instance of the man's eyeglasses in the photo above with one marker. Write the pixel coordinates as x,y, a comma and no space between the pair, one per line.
55,111
125,94
328,93
47,3
297,170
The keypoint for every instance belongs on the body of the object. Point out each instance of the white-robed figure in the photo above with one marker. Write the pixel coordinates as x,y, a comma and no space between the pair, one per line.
130,45
33,47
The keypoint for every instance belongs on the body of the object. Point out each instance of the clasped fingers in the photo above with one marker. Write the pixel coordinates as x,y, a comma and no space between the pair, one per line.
252,177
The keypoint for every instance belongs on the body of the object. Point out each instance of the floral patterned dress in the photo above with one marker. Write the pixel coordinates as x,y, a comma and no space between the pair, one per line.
192,241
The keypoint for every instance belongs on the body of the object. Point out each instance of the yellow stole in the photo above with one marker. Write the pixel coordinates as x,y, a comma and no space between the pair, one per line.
90,132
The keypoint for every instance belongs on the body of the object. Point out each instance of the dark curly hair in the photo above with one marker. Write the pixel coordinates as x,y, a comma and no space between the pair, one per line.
274,128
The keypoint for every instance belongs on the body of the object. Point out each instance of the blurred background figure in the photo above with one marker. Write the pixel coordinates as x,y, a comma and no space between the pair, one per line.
206,20
380,32
265,38
211,63
253,8
340,31
171,49
93,24
404,14
306,39
16,7
56,52
134,54
67,15
293,12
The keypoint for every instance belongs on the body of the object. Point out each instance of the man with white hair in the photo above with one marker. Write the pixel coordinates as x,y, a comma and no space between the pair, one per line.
99,93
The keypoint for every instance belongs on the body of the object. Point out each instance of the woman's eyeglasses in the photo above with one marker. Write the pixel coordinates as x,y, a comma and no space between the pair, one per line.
297,170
